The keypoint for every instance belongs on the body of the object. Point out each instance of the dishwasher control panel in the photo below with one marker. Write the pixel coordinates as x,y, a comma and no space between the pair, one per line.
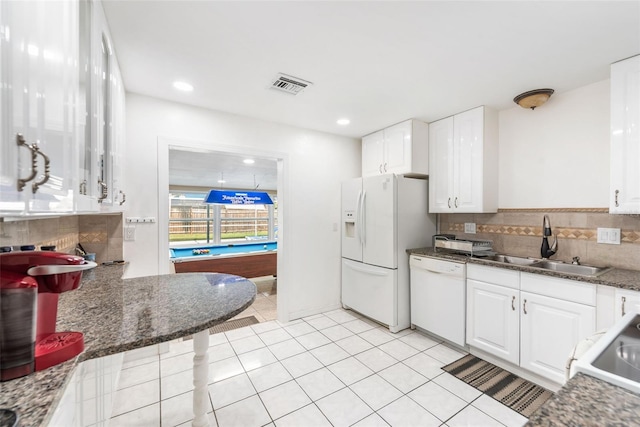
437,265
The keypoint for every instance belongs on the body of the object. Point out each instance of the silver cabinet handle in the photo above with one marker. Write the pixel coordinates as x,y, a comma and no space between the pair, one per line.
47,170
124,198
34,169
104,191
513,303
624,299
380,168
616,198
524,306
385,167
83,187
455,203
449,202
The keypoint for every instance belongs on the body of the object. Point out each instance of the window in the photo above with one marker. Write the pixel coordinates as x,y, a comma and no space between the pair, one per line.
191,220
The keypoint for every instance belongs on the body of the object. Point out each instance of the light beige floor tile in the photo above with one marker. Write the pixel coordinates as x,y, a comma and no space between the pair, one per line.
309,416
136,397
147,416
406,412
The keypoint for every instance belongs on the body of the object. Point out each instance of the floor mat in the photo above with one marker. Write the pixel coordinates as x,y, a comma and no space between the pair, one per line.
518,394
234,324
228,326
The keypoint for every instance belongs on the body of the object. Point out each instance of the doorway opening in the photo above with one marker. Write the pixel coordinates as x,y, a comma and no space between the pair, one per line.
190,225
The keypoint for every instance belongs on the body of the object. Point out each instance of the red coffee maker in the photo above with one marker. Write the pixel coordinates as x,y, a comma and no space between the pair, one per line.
30,283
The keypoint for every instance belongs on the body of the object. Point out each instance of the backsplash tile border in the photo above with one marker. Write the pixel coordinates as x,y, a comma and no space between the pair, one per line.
626,236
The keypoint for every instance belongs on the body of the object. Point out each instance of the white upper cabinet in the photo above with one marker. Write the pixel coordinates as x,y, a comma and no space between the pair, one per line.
61,111
463,163
401,149
625,137
39,83
108,114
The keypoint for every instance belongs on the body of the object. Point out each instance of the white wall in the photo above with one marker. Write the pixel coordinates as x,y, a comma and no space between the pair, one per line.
315,164
557,155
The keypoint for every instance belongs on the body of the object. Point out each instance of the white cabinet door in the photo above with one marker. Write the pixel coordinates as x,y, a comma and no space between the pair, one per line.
625,137
441,165
372,154
550,328
380,245
463,162
39,96
397,148
626,301
493,319
468,160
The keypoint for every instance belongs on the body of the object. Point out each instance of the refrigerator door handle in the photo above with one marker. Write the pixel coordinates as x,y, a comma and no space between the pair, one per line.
358,231
363,217
369,271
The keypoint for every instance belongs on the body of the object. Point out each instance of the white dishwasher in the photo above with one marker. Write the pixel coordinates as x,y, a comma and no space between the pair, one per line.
438,293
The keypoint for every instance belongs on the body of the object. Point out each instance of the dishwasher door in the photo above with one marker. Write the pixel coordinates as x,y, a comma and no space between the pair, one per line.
438,297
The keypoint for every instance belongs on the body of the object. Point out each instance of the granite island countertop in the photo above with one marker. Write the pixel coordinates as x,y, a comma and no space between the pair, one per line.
616,277
588,401
117,315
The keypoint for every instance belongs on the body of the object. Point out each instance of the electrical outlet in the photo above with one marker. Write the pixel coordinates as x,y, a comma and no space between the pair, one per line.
470,227
129,233
609,236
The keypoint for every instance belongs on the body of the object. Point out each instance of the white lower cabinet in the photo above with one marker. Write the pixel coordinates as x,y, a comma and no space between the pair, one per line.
493,319
625,301
549,329
529,320
89,396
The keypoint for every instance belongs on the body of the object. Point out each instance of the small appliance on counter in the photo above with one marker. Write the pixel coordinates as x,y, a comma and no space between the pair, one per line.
30,283
463,246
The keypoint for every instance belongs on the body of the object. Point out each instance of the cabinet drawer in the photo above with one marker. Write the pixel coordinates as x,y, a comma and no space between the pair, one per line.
494,275
565,289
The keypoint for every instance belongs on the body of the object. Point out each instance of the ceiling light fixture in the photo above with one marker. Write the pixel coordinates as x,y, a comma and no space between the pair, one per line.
183,86
343,122
248,161
533,98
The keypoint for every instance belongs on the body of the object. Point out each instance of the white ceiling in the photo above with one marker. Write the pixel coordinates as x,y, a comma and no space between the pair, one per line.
204,169
374,62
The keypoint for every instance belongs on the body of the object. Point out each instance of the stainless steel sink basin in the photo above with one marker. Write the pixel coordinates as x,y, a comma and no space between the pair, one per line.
507,259
561,267
546,264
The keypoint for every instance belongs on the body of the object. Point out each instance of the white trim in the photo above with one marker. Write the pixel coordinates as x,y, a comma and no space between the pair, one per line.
165,265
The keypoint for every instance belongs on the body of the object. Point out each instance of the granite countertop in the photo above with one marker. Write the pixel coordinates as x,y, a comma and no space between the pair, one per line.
117,315
616,277
588,401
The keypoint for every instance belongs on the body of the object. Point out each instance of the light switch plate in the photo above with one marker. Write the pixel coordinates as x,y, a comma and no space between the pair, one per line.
130,233
470,227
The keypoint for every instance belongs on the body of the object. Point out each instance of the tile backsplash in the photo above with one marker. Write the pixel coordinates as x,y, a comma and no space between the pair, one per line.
519,232
98,233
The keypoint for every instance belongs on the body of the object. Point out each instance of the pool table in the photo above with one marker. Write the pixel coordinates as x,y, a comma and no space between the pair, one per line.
253,259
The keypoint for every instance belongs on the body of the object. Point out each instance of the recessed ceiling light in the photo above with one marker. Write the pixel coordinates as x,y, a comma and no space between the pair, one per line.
183,86
343,122
221,181
249,161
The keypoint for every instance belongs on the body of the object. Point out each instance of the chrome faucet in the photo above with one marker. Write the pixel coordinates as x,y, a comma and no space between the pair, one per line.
545,250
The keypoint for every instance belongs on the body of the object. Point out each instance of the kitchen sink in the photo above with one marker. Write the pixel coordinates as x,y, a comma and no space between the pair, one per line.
507,259
561,267
545,264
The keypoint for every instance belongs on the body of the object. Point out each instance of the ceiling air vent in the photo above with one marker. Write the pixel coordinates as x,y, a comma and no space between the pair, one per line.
289,84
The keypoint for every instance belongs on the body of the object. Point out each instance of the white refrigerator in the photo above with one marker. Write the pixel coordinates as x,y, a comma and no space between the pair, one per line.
382,217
